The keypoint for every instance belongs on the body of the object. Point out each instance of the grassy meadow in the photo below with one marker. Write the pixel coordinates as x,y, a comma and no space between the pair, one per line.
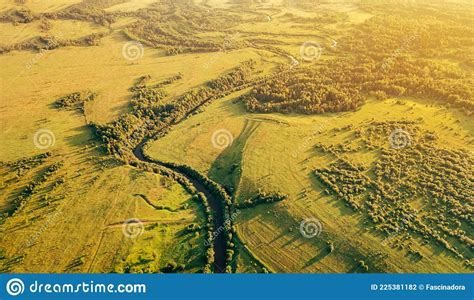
67,206
272,230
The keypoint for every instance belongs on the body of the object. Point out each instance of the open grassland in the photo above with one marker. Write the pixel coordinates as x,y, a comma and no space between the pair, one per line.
73,221
272,231
101,69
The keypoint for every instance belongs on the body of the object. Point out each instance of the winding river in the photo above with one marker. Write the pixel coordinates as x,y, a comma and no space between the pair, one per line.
215,204
220,246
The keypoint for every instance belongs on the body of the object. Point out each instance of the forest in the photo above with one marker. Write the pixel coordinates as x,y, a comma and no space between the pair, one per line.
396,63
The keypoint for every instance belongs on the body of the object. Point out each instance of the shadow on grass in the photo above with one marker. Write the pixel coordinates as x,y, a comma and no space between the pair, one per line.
227,168
322,254
338,203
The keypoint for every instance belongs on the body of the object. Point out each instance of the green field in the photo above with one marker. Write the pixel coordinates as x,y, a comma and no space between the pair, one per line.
287,165
261,98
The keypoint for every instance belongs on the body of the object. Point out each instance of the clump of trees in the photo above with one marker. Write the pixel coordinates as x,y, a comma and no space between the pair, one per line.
441,178
48,42
344,180
161,27
31,189
237,77
392,63
262,197
22,15
344,84
173,267
23,165
92,39
75,100
305,92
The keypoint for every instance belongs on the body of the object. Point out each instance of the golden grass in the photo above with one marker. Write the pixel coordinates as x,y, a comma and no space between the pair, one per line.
273,152
271,231
38,6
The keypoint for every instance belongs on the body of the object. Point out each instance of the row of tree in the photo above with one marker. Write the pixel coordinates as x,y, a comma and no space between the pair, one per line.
150,116
32,188
262,197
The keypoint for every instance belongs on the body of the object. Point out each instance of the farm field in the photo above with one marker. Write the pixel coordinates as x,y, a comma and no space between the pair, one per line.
155,136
